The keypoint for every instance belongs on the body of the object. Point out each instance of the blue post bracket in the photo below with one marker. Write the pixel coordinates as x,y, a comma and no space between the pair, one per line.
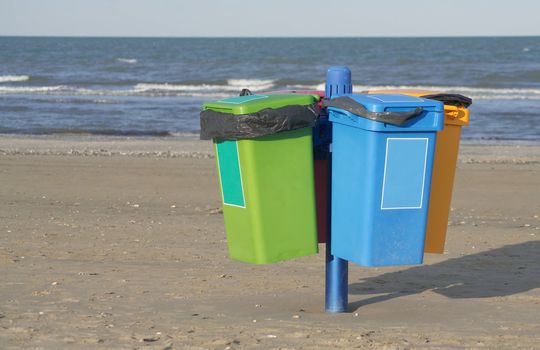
338,82
337,269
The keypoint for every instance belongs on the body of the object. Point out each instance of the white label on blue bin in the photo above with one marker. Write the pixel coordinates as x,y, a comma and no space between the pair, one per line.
404,173
396,98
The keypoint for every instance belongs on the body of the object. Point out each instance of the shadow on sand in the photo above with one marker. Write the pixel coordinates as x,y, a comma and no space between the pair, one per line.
499,272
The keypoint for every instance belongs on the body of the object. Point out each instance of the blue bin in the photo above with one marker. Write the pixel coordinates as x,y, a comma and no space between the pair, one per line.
381,177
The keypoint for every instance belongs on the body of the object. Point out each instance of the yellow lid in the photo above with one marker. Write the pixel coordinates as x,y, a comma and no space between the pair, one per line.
410,92
456,115
452,114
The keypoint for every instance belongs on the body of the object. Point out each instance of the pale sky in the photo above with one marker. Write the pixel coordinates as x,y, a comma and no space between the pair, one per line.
178,18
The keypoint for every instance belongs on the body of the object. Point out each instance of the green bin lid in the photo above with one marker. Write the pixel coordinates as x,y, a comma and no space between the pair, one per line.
254,103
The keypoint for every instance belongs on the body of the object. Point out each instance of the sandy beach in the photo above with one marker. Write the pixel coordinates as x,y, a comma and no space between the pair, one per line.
119,243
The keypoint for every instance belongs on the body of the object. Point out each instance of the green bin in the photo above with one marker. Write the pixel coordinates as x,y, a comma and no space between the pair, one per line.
266,182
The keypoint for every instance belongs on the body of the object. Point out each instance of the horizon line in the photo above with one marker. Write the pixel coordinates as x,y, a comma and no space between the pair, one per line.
267,37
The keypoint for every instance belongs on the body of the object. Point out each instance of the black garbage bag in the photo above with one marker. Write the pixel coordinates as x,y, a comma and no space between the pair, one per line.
245,92
350,105
264,122
451,99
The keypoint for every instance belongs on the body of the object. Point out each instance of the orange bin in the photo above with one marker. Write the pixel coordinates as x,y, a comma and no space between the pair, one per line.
444,168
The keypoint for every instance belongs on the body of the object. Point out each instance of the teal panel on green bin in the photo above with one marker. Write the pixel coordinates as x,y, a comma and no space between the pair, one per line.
230,175
243,99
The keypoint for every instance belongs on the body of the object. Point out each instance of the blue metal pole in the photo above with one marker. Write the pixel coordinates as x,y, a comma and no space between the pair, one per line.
338,82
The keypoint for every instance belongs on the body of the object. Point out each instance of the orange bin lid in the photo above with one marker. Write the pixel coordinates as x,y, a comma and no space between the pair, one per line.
453,115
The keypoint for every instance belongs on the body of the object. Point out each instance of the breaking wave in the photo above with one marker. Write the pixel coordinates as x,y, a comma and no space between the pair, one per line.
234,86
13,78
127,60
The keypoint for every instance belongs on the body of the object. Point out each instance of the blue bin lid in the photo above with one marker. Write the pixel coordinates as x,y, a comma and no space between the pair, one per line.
431,119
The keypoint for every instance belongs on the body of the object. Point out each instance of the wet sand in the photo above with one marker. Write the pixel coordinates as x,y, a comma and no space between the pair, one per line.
112,243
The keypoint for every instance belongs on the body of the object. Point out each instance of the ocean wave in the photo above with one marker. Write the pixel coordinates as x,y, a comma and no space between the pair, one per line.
13,78
144,87
127,60
292,86
84,131
478,93
32,89
255,84
234,86
145,90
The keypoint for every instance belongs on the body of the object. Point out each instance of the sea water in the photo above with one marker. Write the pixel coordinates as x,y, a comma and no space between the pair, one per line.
155,86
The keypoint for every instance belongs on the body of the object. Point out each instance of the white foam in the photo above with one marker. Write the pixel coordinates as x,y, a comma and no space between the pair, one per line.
472,92
127,60
31,89
13,78
233,87
254,84
176,87
103,101
320,86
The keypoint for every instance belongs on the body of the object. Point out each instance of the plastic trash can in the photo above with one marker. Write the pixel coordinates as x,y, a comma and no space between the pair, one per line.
322,137
321,162
456,115
382,159
264,155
